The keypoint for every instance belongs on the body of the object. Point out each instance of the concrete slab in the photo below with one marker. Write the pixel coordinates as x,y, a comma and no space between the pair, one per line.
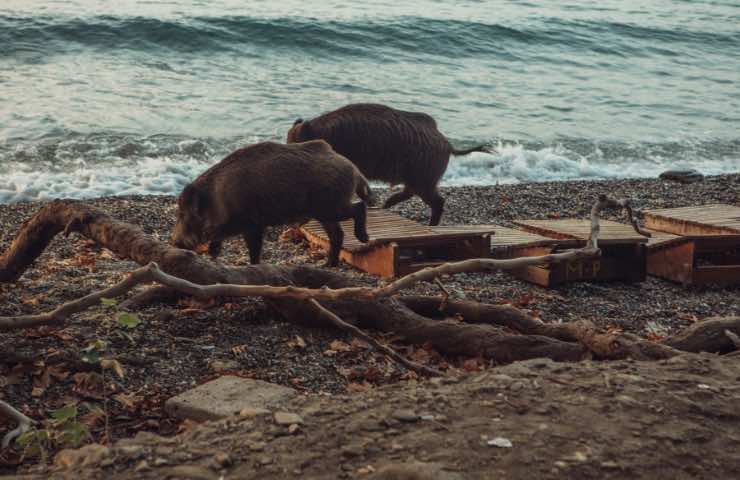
226,396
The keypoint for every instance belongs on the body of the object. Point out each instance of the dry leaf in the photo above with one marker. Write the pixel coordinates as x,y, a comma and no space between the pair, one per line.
92,417
112,364
339,346
239,350
297,342
186,425
127,400
472,365
359,344
292,235
355,387
89,384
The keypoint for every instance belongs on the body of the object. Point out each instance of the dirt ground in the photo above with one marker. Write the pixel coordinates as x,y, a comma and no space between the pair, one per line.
676,419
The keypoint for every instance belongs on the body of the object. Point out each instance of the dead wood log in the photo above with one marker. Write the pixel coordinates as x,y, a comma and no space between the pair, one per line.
708,335
485,313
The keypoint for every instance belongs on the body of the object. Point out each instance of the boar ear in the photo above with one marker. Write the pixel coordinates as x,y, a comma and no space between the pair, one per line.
297,121
194,198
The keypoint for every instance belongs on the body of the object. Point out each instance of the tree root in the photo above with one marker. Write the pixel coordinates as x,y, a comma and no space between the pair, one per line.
24,423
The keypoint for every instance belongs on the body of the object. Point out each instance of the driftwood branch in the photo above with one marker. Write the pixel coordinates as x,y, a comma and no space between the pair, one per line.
604,203
290,288
24,423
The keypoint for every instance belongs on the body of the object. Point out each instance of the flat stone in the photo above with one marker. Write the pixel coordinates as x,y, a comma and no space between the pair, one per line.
414,470
285,418
227,396
408,416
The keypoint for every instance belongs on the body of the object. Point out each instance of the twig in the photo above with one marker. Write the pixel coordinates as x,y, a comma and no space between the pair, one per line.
445,294
342,325
60,314
24,423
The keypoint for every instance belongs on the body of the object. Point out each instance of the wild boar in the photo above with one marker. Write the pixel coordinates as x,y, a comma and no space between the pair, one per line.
272,184
398,147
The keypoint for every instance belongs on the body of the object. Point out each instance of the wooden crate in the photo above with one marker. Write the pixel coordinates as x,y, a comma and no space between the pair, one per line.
623,255
399,246
713,219
701,248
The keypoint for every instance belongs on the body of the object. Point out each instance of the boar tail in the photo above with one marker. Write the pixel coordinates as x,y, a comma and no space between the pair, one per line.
362,189
479,148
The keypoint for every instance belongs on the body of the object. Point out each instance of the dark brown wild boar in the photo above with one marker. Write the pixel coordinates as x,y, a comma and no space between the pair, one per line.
386,144
271,184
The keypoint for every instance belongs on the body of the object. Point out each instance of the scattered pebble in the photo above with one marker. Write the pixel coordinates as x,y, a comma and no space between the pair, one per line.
500,442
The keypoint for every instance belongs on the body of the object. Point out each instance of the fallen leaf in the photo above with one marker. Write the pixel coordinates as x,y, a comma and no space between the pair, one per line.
359,344
614,330
129,401
239,350
524,299
654,337
292,235
89,384
297,342
112,364
472,365
339,346
355,387
186,425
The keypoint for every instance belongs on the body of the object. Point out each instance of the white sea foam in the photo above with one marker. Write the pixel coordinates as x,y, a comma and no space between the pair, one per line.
512,163
153,176
167,174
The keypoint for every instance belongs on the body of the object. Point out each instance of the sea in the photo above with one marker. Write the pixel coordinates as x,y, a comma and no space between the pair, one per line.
118,97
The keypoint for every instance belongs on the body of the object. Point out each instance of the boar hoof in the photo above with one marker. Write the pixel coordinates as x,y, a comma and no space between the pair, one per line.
363,237
331,263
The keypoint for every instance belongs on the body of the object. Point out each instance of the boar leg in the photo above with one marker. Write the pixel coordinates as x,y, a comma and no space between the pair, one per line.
214,248
336,238
437,202
398,197
360,217
253,238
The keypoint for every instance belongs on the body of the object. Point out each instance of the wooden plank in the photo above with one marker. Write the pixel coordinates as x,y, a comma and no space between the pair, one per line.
709,219
675,262
721,275
382,260
577,229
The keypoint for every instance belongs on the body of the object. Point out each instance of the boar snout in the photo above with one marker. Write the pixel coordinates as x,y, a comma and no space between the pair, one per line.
181,239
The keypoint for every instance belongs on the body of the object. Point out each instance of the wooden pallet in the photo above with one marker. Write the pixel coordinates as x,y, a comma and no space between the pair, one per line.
702,248
622,252
714,219
399,246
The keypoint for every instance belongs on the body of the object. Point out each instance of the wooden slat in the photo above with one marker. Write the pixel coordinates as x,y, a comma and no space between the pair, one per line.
709,219
576,229
385,227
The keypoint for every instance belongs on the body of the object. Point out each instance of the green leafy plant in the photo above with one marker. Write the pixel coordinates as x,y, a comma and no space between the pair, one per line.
61,430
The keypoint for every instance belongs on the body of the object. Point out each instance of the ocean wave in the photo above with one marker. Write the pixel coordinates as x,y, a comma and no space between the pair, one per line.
85,166
364,37
583,160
